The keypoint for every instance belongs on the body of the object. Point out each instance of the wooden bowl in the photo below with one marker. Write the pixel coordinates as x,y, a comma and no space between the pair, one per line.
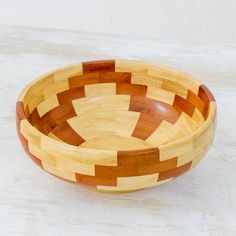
117,125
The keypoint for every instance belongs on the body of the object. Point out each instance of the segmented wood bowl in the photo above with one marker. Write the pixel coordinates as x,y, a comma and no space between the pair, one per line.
117,125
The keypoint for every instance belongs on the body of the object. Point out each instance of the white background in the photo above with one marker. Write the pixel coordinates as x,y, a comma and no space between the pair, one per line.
177,21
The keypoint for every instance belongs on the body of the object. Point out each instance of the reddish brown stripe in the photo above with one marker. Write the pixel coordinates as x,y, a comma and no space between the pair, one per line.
205,94
174,172
140,157
20,111
152,107
62,113
195,100
78,81
131,89
44,124
53,118
114,77
136,169
183,105
98,66
67,134
94,180
71,94
152,114
146,125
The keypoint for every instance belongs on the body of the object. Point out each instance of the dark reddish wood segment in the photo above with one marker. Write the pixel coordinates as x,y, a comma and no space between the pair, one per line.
114,77
44,124
152,114
146,125
70,94
95,180
67,134
195,100
53,118
183,105
20,111
82,80
135,169
131,89
99,77
98,66
205,94
62,113
174,172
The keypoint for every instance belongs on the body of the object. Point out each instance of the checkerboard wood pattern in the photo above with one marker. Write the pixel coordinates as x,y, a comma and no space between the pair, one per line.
117,125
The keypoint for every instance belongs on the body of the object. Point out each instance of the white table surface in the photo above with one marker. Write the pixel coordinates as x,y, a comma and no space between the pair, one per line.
202,202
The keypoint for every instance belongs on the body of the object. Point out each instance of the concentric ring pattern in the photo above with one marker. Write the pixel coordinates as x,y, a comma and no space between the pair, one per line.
117,125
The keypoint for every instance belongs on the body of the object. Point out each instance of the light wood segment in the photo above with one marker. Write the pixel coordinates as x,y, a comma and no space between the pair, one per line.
160,95
103,88
68,71
55,88
34,95
143,78
162,134
162,72
79,154
130,66
29,132
42,155
177,148
175,88
198,117
124,189
101,103
58,172
125,122
47,105
115,142
186,81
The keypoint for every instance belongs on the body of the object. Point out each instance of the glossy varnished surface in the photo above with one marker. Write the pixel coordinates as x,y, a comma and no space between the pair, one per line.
106,107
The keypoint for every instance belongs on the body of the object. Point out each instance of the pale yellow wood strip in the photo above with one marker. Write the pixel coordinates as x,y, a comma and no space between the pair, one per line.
40,154
29,132
125,122
105,103
65,72
177,148
79,154
92,90
115,142
129,188
130,66
160,95
47,105
55,88
162,72
162,134
59,172
142,78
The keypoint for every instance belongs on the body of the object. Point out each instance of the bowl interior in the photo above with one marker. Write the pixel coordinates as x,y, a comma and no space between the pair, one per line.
116,106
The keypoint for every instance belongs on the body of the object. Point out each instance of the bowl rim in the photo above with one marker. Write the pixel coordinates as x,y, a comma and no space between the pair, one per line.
210,118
